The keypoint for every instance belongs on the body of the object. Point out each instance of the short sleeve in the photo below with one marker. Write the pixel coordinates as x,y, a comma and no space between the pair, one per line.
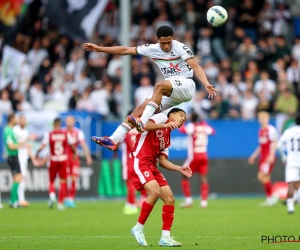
45,140
144,50
209,130
9,139
81,137
273,135
185,52
165,152
160,118
71,140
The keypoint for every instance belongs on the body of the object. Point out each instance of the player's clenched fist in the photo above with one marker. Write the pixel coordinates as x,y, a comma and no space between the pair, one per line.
186,170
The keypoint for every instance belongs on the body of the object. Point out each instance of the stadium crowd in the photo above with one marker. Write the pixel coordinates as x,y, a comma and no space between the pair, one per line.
253,59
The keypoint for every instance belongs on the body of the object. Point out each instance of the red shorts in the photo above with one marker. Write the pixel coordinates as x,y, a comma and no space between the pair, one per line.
141,172
265,167
199,166
73,166
59,168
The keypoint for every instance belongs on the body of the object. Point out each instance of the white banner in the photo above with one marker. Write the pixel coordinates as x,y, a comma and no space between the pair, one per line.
11,64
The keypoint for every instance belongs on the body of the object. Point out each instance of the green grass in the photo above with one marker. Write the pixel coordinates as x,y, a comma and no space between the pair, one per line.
225,224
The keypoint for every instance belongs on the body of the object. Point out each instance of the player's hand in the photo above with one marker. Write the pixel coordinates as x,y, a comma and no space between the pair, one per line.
90,47
89,161
172,125
251,160
186,170
271,159
212,91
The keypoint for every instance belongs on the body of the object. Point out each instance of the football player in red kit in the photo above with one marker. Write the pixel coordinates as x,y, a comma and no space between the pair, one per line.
152,145
268,137
127,146
74,159
197,139
57,140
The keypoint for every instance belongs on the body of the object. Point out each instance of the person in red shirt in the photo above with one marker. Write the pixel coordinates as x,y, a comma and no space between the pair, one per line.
74,159
152,145
197,132
267,137
58,141
127,146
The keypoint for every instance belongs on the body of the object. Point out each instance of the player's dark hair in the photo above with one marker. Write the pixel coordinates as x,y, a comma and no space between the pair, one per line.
297,119
57,121
194,117
175,110
10,117
164,31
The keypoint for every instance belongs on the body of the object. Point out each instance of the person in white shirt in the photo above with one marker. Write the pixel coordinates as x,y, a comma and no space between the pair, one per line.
22,136
290,142
142,92
266,85
36,55
176,63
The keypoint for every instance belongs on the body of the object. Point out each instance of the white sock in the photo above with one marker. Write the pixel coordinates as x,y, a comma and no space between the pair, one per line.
149,111
120,133
290,204
52,196
165,233
139,226
189,200
21,191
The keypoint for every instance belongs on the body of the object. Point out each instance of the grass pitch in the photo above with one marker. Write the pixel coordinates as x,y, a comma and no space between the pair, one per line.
225,224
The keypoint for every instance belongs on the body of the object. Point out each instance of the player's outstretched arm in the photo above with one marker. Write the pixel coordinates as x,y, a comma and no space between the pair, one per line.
150,125
185,170
115,50
212,91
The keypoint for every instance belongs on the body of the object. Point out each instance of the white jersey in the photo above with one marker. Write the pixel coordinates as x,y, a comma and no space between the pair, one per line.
22,136
173,64
290,141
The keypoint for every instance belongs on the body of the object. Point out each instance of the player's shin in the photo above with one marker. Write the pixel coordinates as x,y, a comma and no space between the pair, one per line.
62,192
167,218
268,189
148,112
21,191
14,192
72,192
204,191
120,133
144,214
130,192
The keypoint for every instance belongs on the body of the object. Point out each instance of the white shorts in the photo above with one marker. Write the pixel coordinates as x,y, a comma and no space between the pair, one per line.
23,165
292,174
183,91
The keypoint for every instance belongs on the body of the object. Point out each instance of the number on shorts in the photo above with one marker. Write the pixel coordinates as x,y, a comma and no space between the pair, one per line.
58,148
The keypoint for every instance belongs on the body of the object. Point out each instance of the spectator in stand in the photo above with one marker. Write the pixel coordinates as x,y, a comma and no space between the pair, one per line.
201,105
246,52
263,103
204,50
211,71
265,85
296,49
83,81
248,106
252,71
237,87
234,110
293,72
36,55
144,91
36,95
5,103
114,64
85,103
76,65
219,107
281,50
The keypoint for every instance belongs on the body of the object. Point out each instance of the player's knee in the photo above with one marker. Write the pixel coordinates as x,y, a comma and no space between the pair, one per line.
169,200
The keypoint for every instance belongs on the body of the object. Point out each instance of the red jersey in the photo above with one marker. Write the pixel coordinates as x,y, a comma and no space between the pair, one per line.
151,144
128,145
197,139
57,141
77,136
266,136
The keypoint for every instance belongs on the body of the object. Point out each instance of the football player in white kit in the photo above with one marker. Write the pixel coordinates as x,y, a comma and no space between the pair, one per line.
176,62
22,136
290,142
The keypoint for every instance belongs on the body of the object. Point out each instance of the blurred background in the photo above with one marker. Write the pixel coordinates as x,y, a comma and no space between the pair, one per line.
253,60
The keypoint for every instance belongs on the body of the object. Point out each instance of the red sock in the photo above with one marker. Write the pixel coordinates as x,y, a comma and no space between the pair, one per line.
204,191
72,191
185,185
51,187
268,189
167,217
62,192
130,192
143,193
145,212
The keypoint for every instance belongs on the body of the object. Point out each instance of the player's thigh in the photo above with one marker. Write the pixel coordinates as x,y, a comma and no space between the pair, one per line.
52,170
153,189
265,168
183,90
166,195
292,174
203,166
62,170
74,169
159,177
140,173
23,165
14,164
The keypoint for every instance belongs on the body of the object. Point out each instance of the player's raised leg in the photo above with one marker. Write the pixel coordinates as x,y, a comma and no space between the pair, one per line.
167,217
153,190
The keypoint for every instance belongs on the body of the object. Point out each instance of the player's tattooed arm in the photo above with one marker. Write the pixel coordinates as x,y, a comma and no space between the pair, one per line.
199,72
165,163
115,50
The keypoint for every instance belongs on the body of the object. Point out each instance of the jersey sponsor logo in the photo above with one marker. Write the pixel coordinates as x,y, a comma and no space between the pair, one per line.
146,173
263,139
161,139
58,137
172,70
